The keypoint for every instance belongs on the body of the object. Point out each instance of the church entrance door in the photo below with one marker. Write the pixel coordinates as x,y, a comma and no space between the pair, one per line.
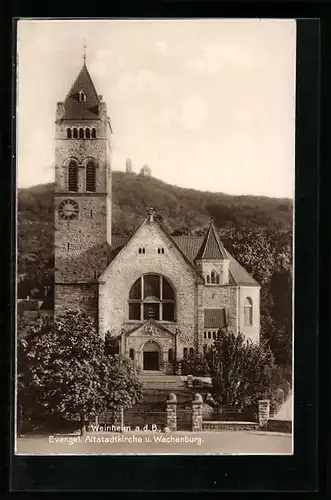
151,356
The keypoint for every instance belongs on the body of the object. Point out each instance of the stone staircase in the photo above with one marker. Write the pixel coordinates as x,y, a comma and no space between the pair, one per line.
171,383
152,409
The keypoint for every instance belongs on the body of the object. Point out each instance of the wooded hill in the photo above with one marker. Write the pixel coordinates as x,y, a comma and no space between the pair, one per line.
256,230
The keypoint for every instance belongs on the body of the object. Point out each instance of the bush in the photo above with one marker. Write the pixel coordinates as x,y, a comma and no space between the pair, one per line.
195,365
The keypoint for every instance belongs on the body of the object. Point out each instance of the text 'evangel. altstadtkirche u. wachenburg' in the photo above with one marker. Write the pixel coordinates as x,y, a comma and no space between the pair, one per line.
163,297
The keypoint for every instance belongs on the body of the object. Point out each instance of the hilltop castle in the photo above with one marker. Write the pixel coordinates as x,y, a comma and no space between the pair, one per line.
162,297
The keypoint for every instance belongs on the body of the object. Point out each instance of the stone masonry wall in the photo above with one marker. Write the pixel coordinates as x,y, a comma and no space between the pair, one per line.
81,296
216,296
86,256
129,265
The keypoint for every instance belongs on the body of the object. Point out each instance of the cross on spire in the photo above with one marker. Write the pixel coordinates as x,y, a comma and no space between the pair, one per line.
84,54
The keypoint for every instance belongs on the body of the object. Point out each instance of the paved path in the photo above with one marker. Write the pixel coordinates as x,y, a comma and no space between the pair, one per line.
158,443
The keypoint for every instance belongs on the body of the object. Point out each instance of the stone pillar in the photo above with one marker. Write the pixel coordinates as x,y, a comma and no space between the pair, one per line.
171,412
264,411
179,368
123,342
197,413
200,320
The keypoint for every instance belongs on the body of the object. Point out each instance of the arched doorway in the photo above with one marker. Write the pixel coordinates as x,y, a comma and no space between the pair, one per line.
151,356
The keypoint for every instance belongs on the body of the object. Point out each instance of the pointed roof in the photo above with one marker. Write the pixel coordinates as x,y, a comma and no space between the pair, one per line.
75,108
212,247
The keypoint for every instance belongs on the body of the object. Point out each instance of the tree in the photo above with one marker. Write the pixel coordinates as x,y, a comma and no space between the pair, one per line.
64,370
195,364
242,372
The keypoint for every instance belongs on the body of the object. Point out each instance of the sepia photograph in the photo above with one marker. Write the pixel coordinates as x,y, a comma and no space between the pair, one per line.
155,164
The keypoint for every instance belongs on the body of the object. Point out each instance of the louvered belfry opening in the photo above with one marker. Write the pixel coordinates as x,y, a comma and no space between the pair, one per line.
73,177
90,177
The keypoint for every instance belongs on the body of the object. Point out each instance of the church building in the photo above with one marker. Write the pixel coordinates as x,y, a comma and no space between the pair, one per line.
162,297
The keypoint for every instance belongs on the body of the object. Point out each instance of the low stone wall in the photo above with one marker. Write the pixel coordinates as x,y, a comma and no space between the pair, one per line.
275,425
209,425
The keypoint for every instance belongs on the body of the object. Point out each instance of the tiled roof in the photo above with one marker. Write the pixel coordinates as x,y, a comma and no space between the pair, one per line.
214,318
190,246
89,109
212,247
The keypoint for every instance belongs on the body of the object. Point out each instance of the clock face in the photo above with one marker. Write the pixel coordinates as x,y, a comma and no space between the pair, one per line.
68,210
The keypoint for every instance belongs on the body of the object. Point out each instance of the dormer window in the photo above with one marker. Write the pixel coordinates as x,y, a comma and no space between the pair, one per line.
82,96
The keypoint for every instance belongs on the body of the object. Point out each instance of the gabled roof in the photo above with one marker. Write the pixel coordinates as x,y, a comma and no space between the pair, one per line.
150,323
192,249
119,242
74,109
212,247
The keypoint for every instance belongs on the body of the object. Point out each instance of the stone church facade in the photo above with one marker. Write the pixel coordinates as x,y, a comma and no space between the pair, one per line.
162,297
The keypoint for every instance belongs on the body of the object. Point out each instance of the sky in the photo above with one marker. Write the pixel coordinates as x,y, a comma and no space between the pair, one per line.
206,104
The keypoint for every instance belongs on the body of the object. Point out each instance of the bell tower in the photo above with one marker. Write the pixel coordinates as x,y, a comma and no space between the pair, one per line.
82,195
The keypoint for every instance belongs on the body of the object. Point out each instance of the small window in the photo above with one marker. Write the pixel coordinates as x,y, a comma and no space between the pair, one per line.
214,335
69,133
131,354
82,96
81,133
75,133
212,295
68,246
214,278
87,133
208,278
191,351
91,214
90,177
73,177
94,133
170,355
248,312
205,335
185,352
209,335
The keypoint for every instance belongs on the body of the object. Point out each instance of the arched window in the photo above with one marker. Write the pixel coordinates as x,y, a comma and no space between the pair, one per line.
94,133
191,351
90,177
215,279
131,354
82,96
151,297
248,312
73,177
81,133
208,278
69,133
170,355
87,133
75,133
185,352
